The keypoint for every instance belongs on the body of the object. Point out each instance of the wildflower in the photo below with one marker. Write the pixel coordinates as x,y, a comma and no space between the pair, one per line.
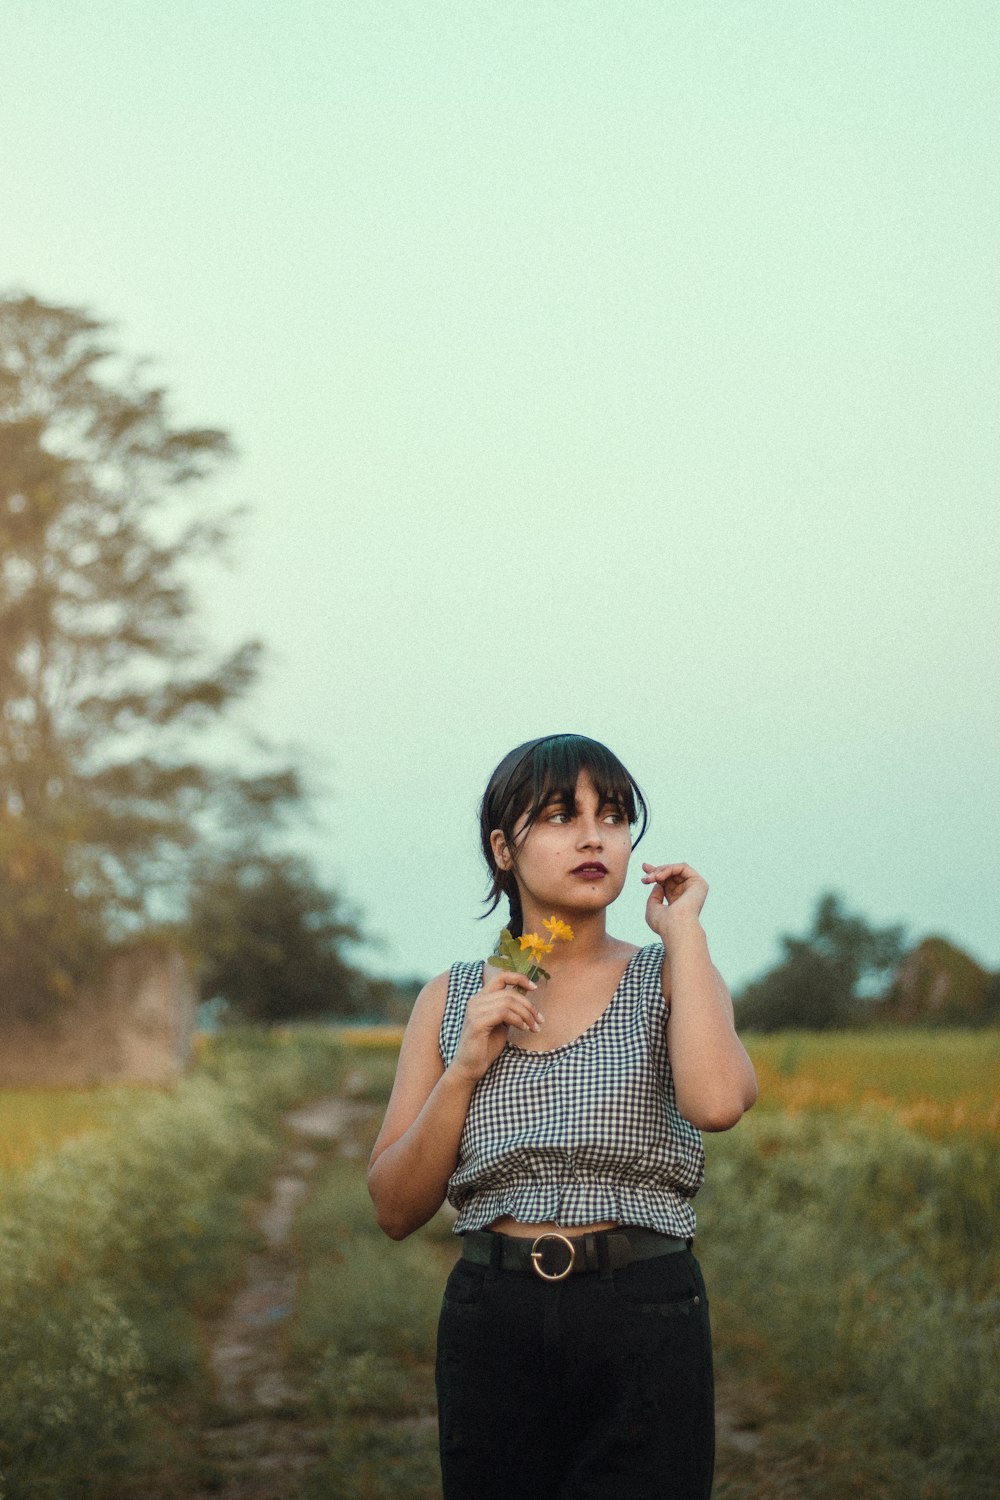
524,955
533,944
558,929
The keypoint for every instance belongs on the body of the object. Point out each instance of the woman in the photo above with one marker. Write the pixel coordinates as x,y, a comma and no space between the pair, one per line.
574,1354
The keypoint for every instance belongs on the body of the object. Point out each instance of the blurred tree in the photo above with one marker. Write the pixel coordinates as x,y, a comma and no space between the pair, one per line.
102,675
269,939
991,1001
827,979
939,985
392,999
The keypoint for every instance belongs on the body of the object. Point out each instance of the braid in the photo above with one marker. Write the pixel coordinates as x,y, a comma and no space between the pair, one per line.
516,923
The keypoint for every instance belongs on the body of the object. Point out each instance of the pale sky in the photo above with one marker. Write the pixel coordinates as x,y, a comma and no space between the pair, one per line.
628,369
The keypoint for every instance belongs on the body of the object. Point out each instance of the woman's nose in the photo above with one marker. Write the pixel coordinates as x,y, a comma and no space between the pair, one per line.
590,833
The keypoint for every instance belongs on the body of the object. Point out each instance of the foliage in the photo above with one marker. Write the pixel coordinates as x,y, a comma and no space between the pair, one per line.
823,979
101,671
392,999
33,1121
364,1332
524,955
270,940
111,1244
857,1259
851,1264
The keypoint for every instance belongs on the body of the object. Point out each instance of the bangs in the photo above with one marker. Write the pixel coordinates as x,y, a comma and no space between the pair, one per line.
550,771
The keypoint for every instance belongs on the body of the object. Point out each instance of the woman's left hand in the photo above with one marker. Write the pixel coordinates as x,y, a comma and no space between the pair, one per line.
678,893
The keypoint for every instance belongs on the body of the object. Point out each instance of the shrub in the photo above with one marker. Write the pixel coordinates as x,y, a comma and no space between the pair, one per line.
863,1252
111,1244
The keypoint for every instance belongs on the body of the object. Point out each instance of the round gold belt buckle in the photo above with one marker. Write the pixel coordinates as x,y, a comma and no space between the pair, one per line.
536,1256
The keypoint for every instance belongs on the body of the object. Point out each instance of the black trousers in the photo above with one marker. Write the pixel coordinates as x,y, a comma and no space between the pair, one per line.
596,1386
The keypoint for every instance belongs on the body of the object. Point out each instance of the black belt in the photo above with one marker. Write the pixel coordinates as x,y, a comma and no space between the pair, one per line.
554,1256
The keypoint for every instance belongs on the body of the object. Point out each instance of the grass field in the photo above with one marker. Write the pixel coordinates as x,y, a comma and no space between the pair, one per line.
937,1081
33,1121
122,1221
848,1231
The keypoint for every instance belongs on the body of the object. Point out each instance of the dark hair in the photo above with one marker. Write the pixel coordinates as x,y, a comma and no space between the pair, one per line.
535,774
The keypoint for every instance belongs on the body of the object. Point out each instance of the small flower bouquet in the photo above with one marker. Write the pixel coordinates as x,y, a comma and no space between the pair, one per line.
524,954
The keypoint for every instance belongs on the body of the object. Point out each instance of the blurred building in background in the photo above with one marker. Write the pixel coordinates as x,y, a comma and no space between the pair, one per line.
135,1027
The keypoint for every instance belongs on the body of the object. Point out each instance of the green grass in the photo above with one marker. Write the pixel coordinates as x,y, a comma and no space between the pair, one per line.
114,1245
852,1263
364,1336
33,1121
847,1229
853,1272
939,1081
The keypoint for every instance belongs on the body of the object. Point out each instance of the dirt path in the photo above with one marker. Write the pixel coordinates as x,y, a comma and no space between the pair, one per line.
260,1441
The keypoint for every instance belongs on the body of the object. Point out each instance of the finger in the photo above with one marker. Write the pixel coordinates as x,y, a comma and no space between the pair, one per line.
508,1015
497,1011
509,979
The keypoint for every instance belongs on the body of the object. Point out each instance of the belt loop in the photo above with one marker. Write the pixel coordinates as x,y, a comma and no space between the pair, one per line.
496,1255
604,1256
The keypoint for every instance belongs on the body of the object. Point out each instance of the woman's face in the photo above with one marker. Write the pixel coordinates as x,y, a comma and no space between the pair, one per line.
572,859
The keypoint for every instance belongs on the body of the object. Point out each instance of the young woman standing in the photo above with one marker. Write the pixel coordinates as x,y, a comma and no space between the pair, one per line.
563,1122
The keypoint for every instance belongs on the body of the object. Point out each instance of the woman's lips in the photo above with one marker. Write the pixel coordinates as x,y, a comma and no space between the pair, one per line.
595,871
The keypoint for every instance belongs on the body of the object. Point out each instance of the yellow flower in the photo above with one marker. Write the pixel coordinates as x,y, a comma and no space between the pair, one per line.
533,943
558,929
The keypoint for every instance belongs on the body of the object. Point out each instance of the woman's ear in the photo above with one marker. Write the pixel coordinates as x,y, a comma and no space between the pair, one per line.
501,853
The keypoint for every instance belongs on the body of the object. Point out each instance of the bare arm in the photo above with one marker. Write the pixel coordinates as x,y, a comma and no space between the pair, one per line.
417,1148
714,1080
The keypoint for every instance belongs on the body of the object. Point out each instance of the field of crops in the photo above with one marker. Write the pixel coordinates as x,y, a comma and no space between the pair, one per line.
936,1081
848,1231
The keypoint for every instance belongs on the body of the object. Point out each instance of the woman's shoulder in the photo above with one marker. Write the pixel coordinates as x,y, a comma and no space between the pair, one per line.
433,994
436,991
453,991
648,958
650,974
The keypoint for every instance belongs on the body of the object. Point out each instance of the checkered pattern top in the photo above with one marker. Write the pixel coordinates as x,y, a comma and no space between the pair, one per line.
583,1132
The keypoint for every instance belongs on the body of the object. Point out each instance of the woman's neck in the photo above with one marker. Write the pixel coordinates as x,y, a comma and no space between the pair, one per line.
590,938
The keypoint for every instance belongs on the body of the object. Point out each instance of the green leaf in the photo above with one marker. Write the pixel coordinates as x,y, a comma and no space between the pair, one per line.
509,945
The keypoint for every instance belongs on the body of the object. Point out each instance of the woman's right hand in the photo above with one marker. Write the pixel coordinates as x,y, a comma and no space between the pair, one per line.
503,1001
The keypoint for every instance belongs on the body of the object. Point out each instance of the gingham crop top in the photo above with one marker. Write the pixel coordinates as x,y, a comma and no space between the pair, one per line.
584,1132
